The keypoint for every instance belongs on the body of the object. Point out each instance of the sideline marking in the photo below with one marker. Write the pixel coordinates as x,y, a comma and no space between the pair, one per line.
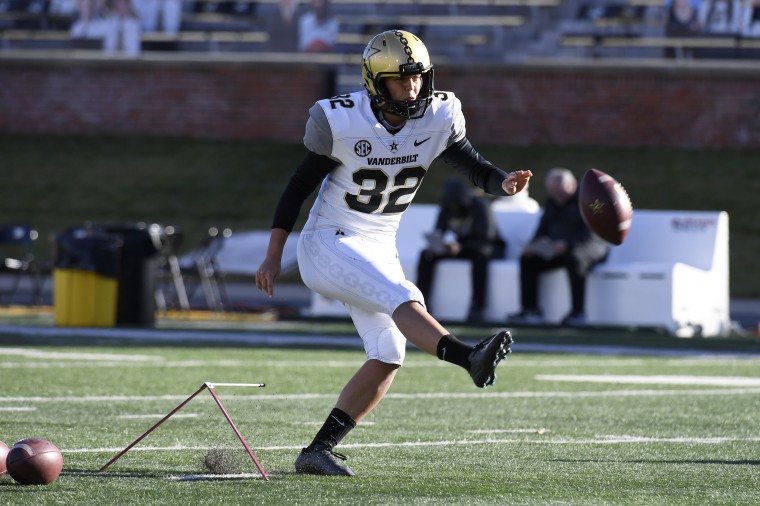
722,381
19,408
509,431
136,361
199,477
599,439
158,416
432,395
273,339
158,363
336,364
713,361
66,355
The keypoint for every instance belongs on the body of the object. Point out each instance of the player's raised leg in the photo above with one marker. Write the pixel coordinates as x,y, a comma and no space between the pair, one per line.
429,335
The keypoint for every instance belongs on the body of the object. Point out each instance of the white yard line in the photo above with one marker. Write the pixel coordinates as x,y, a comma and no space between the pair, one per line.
158,362
549,441
509,431
158,416
131,365
599,439
293,364
431,395
61,355
633,379
70,365
582,394
173,448
215,338
714,362
17,408
201,477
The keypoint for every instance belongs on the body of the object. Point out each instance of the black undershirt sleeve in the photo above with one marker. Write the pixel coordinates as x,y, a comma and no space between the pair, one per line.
468,162
308,175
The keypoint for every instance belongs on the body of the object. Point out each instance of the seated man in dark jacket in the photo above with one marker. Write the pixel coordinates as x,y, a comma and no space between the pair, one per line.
465,228
562,240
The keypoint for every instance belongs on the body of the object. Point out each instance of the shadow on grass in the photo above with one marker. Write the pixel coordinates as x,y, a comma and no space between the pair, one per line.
13,486
179,475
69,472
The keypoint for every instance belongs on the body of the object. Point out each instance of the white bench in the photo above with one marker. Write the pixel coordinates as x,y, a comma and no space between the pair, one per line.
671,272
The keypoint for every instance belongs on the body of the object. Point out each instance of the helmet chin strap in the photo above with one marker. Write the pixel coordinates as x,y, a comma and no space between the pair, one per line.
391,128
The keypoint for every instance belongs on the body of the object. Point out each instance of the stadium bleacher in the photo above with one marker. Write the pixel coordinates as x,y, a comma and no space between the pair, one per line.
465,28
472,30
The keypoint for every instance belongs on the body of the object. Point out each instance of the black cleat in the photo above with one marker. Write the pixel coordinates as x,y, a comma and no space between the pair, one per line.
486,356
322,460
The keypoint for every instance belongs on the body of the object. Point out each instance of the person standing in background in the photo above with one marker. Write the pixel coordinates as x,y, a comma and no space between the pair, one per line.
122,32
318,29
282,26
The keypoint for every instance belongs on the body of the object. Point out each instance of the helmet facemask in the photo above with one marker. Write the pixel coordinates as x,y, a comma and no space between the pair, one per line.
396,53
409,109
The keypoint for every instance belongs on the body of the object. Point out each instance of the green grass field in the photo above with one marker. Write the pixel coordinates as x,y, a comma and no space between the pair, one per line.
556,429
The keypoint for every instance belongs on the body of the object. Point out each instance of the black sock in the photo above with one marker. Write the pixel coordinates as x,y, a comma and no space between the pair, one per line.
335,428
454,351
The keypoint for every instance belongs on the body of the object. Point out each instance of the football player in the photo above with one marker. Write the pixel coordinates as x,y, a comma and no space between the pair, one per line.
368,152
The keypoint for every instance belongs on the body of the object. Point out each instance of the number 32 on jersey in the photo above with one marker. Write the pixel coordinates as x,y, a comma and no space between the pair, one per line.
375,184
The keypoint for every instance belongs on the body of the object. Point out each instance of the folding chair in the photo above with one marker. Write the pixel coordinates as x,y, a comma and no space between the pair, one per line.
201,270
170,289
17,259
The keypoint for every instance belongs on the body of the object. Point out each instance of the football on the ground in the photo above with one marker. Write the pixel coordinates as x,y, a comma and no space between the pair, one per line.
605,206
3,454
34,461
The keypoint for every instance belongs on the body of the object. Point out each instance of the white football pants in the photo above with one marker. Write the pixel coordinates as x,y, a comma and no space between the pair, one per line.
364,274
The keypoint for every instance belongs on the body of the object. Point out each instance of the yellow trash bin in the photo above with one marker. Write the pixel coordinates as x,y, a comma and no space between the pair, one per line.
85,282
84,298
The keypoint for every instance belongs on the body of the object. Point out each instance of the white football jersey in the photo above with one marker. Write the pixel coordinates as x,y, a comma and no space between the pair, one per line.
379,172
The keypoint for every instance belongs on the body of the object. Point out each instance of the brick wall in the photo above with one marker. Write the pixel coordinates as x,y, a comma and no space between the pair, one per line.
591,104
613,106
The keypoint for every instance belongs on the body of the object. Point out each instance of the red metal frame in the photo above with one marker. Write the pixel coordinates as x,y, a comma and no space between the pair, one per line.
210,386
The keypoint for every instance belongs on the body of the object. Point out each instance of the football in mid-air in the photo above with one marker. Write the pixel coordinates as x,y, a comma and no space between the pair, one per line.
34,461
605,206
3,453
